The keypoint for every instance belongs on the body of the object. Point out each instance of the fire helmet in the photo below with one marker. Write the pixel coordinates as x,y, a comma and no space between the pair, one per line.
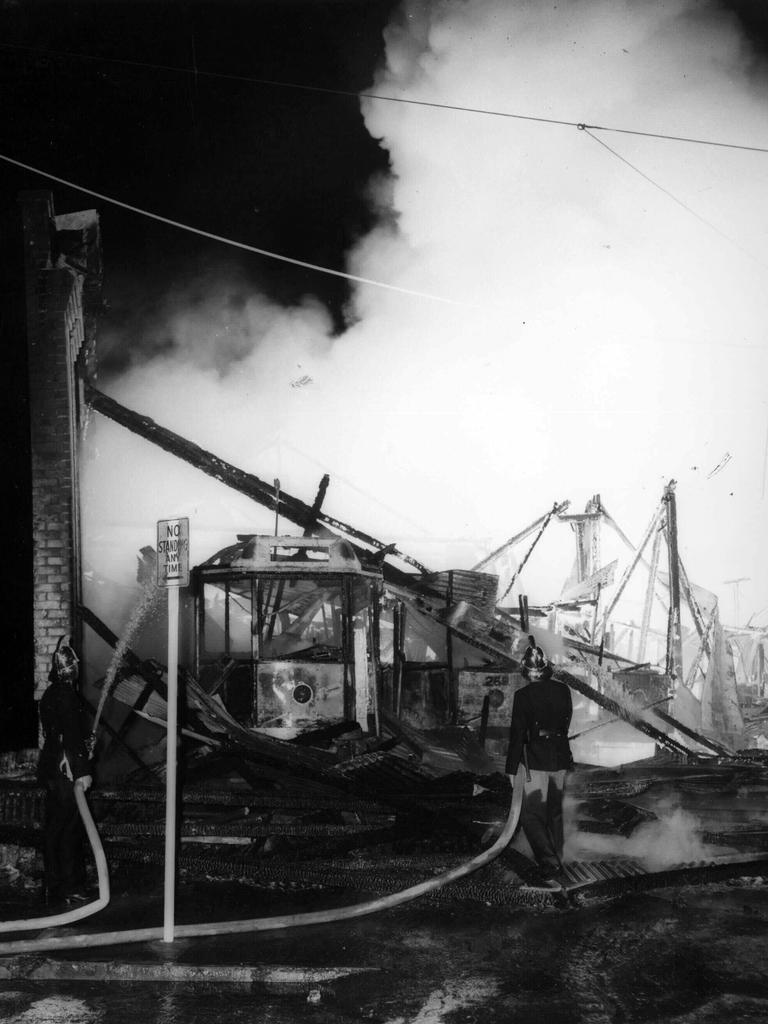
534,664
65,661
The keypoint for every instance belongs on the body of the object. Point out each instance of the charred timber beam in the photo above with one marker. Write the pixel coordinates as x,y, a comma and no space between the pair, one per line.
718,748
693,604
621,663
611,721
625,539
291,508
317,504
522,602
409,736
175,444
674,635
559,509
620,711
648,604
497,649
262,748
146,671
351,531
529,552
704,647
629,570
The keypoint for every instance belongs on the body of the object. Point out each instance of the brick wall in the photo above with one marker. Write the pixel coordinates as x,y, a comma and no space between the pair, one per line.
57,346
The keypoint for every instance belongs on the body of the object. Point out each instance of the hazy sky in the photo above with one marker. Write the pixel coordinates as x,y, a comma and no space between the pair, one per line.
604,332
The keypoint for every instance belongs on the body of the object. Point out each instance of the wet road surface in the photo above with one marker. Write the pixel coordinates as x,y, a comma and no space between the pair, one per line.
693,955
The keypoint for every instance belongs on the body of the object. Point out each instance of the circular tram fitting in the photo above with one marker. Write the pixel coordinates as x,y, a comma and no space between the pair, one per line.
303,693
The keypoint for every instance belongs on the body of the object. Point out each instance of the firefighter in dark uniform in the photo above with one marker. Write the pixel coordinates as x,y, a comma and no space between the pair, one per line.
64,760
538,740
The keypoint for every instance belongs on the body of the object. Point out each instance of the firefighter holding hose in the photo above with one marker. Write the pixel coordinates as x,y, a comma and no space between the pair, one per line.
64,759
538,741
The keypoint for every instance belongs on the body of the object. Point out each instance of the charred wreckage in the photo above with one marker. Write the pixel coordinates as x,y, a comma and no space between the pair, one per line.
344,719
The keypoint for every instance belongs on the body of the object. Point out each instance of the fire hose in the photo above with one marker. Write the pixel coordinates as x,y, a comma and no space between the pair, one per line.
260,924
87,909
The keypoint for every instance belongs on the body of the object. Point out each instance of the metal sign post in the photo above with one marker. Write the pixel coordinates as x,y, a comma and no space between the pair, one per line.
172,573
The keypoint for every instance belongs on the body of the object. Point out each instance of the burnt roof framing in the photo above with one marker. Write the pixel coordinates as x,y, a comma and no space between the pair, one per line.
294,509
309,518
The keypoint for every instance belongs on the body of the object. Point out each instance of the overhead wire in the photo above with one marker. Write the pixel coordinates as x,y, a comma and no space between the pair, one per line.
678,138
313,266
672,196
307,87
589,129
230,241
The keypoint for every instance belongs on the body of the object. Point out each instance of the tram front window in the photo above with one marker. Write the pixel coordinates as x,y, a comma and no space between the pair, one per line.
227,617
301,620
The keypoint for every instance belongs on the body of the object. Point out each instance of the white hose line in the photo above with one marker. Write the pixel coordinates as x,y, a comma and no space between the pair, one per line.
262,924
86,909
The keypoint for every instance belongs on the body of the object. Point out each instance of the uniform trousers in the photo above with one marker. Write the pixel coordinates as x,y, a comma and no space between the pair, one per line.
542,818
63,849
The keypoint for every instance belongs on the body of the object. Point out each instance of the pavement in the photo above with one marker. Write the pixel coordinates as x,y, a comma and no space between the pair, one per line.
688,955
682,955
420,961
91,949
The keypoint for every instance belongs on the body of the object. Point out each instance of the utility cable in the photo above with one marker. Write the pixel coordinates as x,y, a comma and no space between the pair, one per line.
672,196
582,126
274,83
230,241
677,138
340,273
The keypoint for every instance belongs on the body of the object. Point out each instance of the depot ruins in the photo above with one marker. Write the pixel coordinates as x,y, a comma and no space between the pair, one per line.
344,709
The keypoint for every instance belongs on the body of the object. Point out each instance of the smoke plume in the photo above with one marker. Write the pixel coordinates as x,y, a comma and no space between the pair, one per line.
605,330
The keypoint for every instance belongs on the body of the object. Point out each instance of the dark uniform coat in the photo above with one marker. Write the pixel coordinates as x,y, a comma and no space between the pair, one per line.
65,732
541,717
63,759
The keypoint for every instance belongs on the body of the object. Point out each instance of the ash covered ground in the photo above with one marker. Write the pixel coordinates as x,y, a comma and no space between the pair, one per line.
686,955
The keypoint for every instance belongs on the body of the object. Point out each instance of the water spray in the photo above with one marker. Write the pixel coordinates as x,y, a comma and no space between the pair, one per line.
147,602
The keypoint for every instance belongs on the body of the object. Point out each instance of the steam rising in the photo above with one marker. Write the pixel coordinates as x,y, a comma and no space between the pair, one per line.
608,339
674,839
